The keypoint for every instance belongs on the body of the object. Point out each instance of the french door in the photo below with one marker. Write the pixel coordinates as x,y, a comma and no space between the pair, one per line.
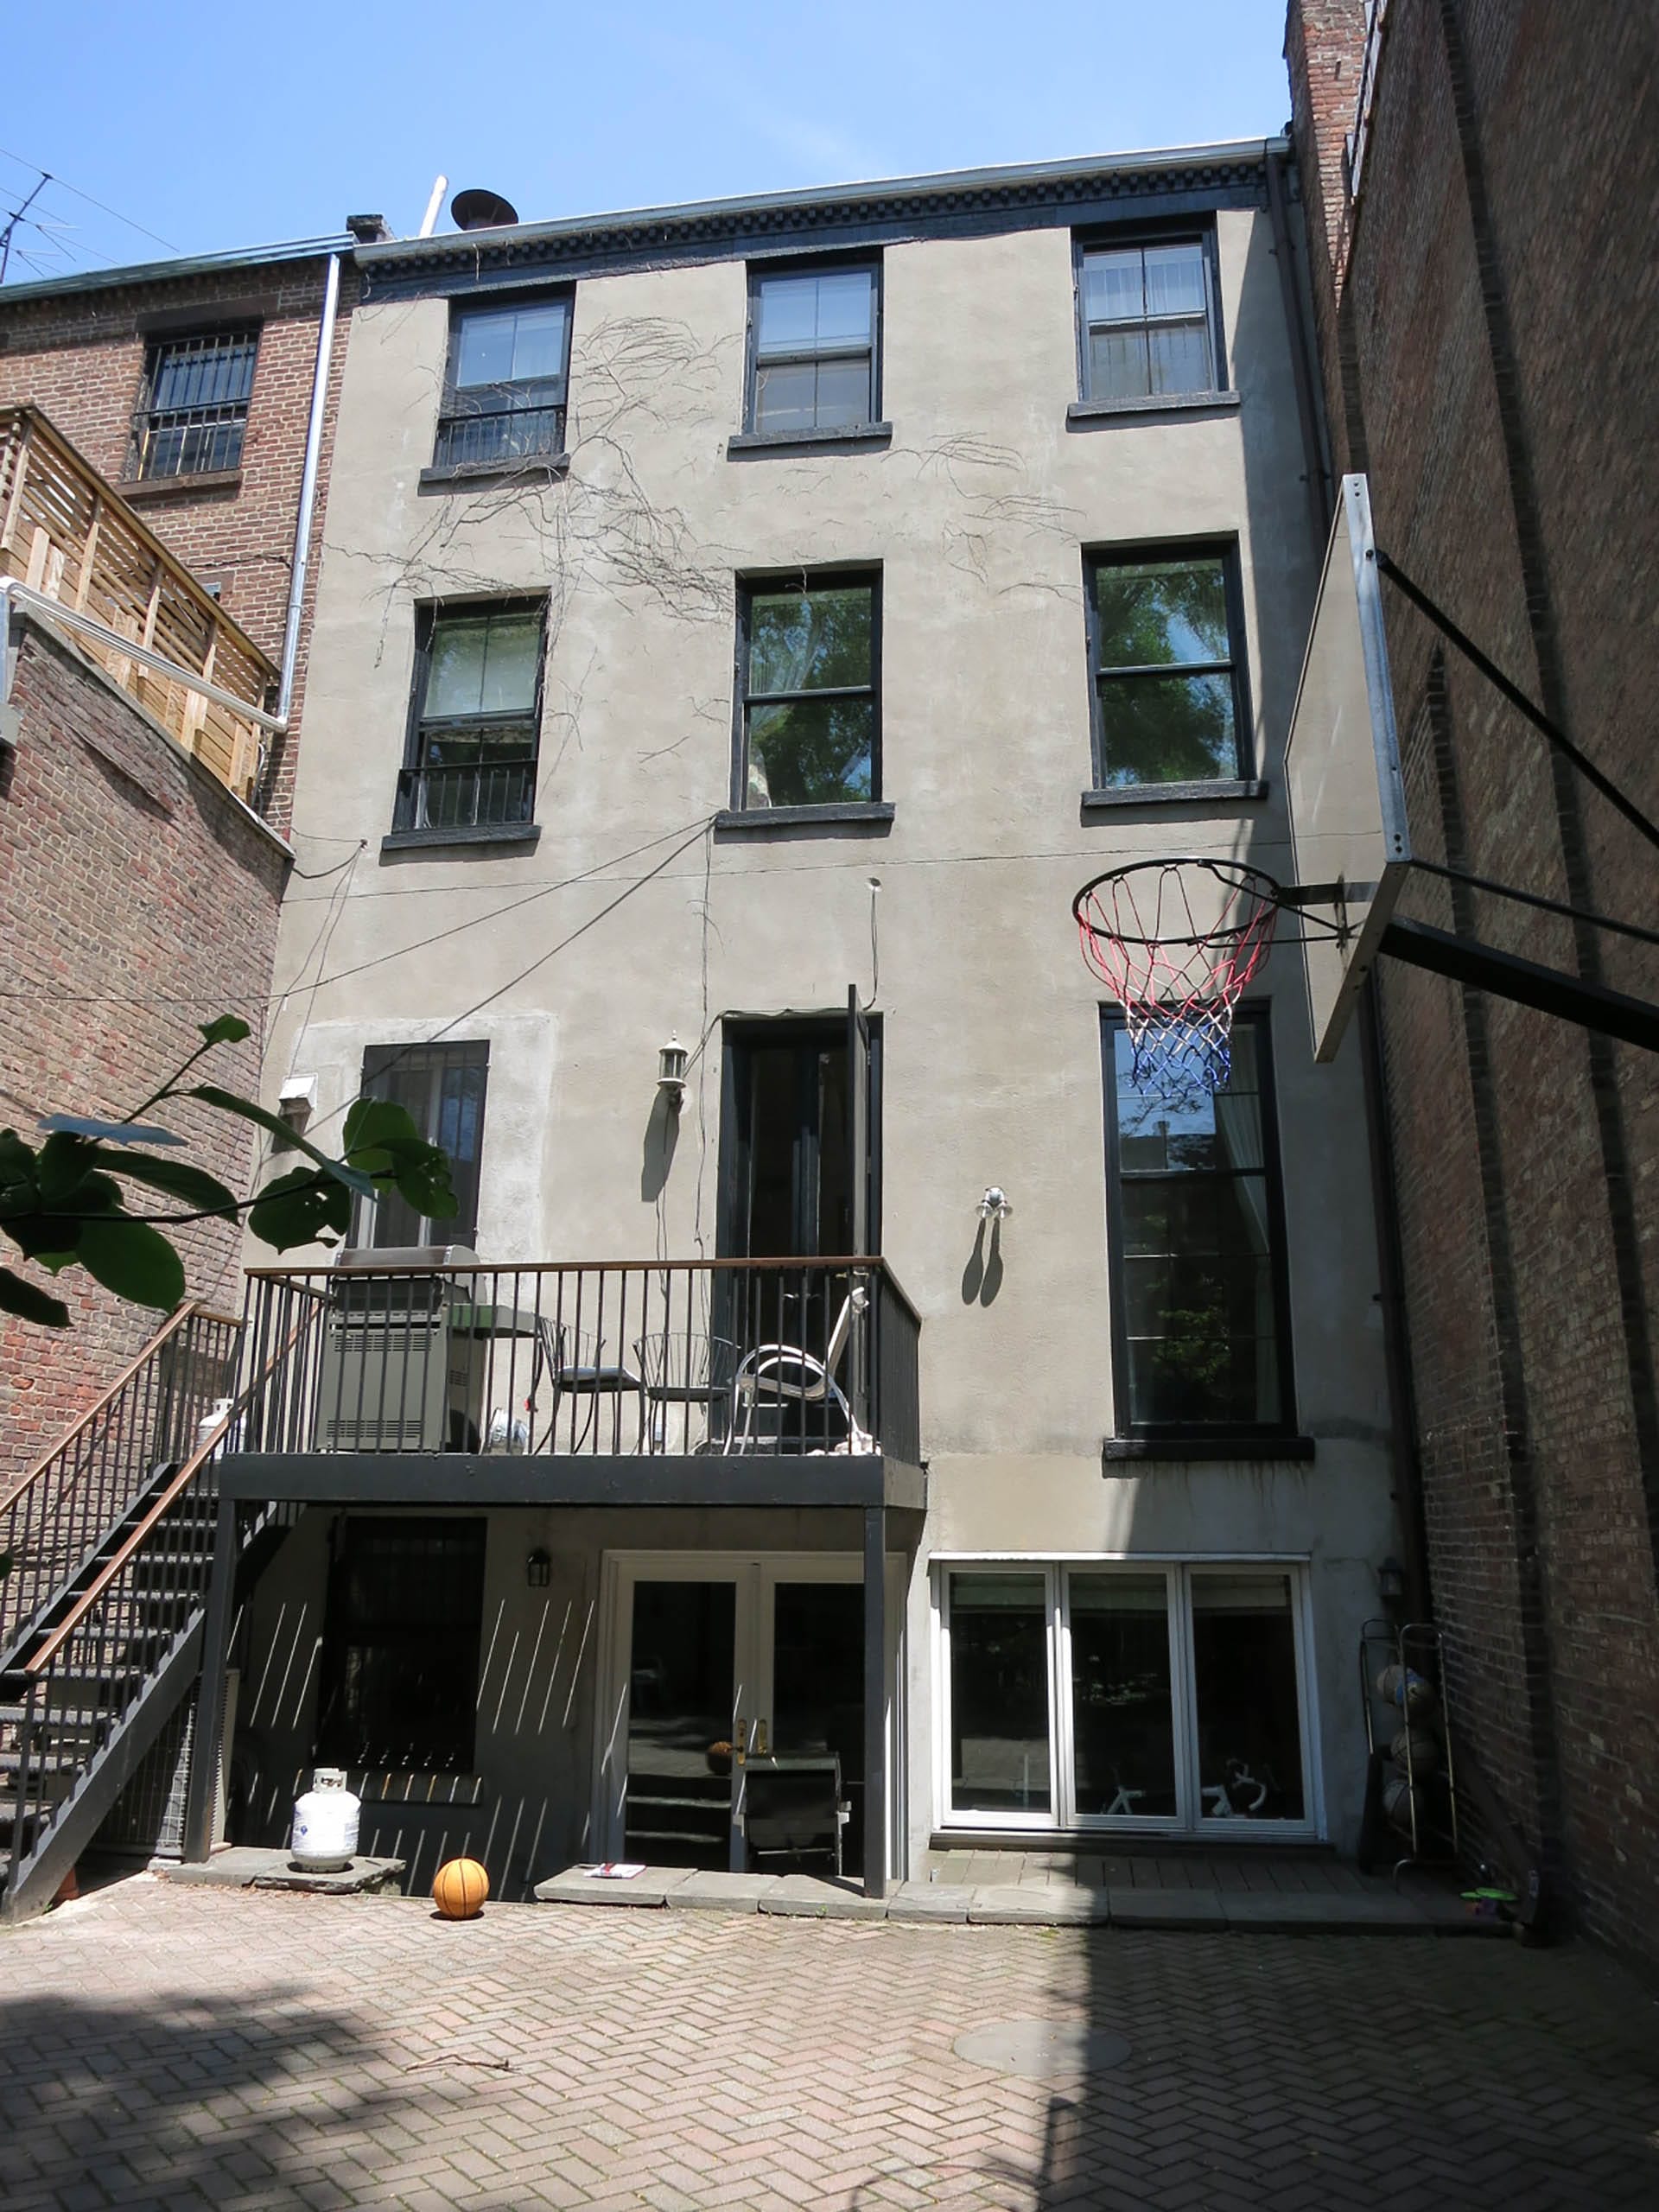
716,1658
1164,1697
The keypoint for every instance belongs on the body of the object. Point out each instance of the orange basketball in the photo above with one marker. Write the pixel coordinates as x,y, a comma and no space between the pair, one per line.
460,1889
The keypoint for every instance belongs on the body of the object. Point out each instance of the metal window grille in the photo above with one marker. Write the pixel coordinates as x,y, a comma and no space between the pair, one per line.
194,410
477,767
506,392
442,1087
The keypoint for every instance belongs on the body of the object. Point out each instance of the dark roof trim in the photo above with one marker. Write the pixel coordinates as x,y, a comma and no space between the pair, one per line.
166,272
957,203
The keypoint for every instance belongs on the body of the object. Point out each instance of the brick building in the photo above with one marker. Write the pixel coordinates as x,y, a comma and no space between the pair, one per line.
1478,181
139,895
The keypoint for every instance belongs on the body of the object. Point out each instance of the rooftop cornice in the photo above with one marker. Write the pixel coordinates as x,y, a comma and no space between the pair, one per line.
169,272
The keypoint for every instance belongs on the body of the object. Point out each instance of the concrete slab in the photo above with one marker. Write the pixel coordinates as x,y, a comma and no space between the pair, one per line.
1037,1906
805,1896
930,1901
580,1885
708,1893
1168,1908
1267,1911
243,1867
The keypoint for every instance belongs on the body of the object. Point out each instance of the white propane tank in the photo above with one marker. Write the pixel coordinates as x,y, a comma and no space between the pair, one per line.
325,1824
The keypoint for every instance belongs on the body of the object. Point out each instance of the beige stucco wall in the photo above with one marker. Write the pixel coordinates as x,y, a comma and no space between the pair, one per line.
992,1066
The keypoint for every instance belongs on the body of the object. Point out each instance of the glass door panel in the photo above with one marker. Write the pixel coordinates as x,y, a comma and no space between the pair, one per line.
1000,1696
816,1708
1123,1723
1249,1736
681,1692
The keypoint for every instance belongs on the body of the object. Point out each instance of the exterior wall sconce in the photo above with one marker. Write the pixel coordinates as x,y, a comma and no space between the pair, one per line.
672,1061
538,1568
1391,1584
296,1101
995,1205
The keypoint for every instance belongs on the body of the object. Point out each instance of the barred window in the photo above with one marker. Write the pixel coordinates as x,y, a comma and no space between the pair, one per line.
475,718
442,1087
194,409
504,395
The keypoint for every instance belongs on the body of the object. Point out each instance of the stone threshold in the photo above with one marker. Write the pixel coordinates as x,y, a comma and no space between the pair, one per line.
807,1897
242,1866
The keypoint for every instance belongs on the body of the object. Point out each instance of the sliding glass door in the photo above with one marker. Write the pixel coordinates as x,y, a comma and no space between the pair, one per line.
1168,1697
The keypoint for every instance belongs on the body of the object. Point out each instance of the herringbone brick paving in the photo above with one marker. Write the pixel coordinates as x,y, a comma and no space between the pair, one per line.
171,2048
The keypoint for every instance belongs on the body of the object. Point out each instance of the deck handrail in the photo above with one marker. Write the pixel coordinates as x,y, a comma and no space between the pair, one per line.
67,534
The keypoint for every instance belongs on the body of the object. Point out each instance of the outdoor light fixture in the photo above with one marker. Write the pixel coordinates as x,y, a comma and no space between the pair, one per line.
538,1568
1391,1582
671,1063
995,1205
296,1101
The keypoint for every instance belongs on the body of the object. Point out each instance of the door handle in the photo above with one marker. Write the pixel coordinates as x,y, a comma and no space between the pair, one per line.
740,1741
761,1751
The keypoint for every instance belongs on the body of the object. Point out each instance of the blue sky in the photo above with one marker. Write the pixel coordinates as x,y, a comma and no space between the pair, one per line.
215,126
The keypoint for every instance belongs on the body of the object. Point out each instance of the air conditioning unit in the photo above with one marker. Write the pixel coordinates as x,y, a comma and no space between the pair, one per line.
404,1361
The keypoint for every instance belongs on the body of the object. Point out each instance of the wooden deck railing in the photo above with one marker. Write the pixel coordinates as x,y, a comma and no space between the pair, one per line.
68,534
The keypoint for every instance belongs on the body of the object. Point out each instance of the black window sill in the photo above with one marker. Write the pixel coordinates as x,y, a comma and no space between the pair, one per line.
467,473
1223,793
475,833
1249,1445
1161,402
862,814
179,488
865,434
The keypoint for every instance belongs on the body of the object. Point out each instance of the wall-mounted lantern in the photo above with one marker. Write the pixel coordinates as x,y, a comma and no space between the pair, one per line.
672,1060
538,1568
1391,1584
995,1205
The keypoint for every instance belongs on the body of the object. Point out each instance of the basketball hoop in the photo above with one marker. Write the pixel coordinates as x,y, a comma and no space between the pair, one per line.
1177,961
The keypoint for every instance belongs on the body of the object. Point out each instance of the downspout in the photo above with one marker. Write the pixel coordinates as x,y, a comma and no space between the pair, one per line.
308,490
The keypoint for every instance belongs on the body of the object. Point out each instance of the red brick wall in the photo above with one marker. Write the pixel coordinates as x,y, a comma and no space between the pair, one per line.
80,356
1488,366
137,898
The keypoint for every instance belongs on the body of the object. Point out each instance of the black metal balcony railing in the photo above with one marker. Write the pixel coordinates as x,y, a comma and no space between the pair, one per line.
731,1356
461,797
498,437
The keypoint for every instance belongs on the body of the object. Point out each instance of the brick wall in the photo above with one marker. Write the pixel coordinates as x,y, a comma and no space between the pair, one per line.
1485,362
137,898
79,356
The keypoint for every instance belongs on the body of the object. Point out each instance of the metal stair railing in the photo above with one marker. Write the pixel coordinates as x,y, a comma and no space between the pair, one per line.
55,1520
86,1705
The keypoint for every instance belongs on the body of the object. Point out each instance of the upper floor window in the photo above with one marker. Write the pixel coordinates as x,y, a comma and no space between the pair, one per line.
475,718
809,692
1163,626
192,409
504,393
441,1087
812,348
1198,1300
1148,320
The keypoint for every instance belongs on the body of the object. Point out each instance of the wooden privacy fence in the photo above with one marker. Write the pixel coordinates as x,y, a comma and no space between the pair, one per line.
68,534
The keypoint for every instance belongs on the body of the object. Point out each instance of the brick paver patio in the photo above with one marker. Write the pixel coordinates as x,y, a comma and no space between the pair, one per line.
169,2047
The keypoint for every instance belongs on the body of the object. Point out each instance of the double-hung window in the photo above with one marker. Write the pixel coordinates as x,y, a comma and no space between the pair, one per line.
809,692
504,395
475,718
1198,1299
812,349
441,1087
193,411
1163,634
1149,327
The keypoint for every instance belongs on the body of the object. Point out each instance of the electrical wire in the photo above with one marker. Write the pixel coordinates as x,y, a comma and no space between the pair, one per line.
52,177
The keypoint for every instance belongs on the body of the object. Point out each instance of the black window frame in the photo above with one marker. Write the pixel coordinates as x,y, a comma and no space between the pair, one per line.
1176,232
1257,1016
769,583
813,265
227,434
412,811
440,1057
1226,550
452,1670
449,455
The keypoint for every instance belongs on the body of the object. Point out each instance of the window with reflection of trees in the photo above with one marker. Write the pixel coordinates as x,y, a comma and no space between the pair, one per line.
1168,698
1197,1252
808,655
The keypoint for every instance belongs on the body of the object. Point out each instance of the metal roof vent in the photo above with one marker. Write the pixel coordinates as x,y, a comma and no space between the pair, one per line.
482,210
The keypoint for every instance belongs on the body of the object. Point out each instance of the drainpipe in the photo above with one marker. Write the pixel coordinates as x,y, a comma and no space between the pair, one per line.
309,489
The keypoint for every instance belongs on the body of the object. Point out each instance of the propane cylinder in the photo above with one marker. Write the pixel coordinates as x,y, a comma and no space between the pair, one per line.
325,1824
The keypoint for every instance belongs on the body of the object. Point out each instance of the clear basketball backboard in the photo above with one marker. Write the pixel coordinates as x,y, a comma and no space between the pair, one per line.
1350,841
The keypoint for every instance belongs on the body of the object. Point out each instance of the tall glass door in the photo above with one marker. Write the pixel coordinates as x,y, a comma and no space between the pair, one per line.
682,1778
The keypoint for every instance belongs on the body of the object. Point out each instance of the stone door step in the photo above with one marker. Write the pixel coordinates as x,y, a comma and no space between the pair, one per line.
1423,1912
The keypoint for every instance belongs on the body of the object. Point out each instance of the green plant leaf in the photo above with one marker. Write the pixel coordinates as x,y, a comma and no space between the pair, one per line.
29,1303
228,1103
64,1164
420,1172
224,1029
87,1125
372,1121
134,1261
296,1208
178,1179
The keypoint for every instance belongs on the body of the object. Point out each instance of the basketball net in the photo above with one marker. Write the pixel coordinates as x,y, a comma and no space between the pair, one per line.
1178,979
